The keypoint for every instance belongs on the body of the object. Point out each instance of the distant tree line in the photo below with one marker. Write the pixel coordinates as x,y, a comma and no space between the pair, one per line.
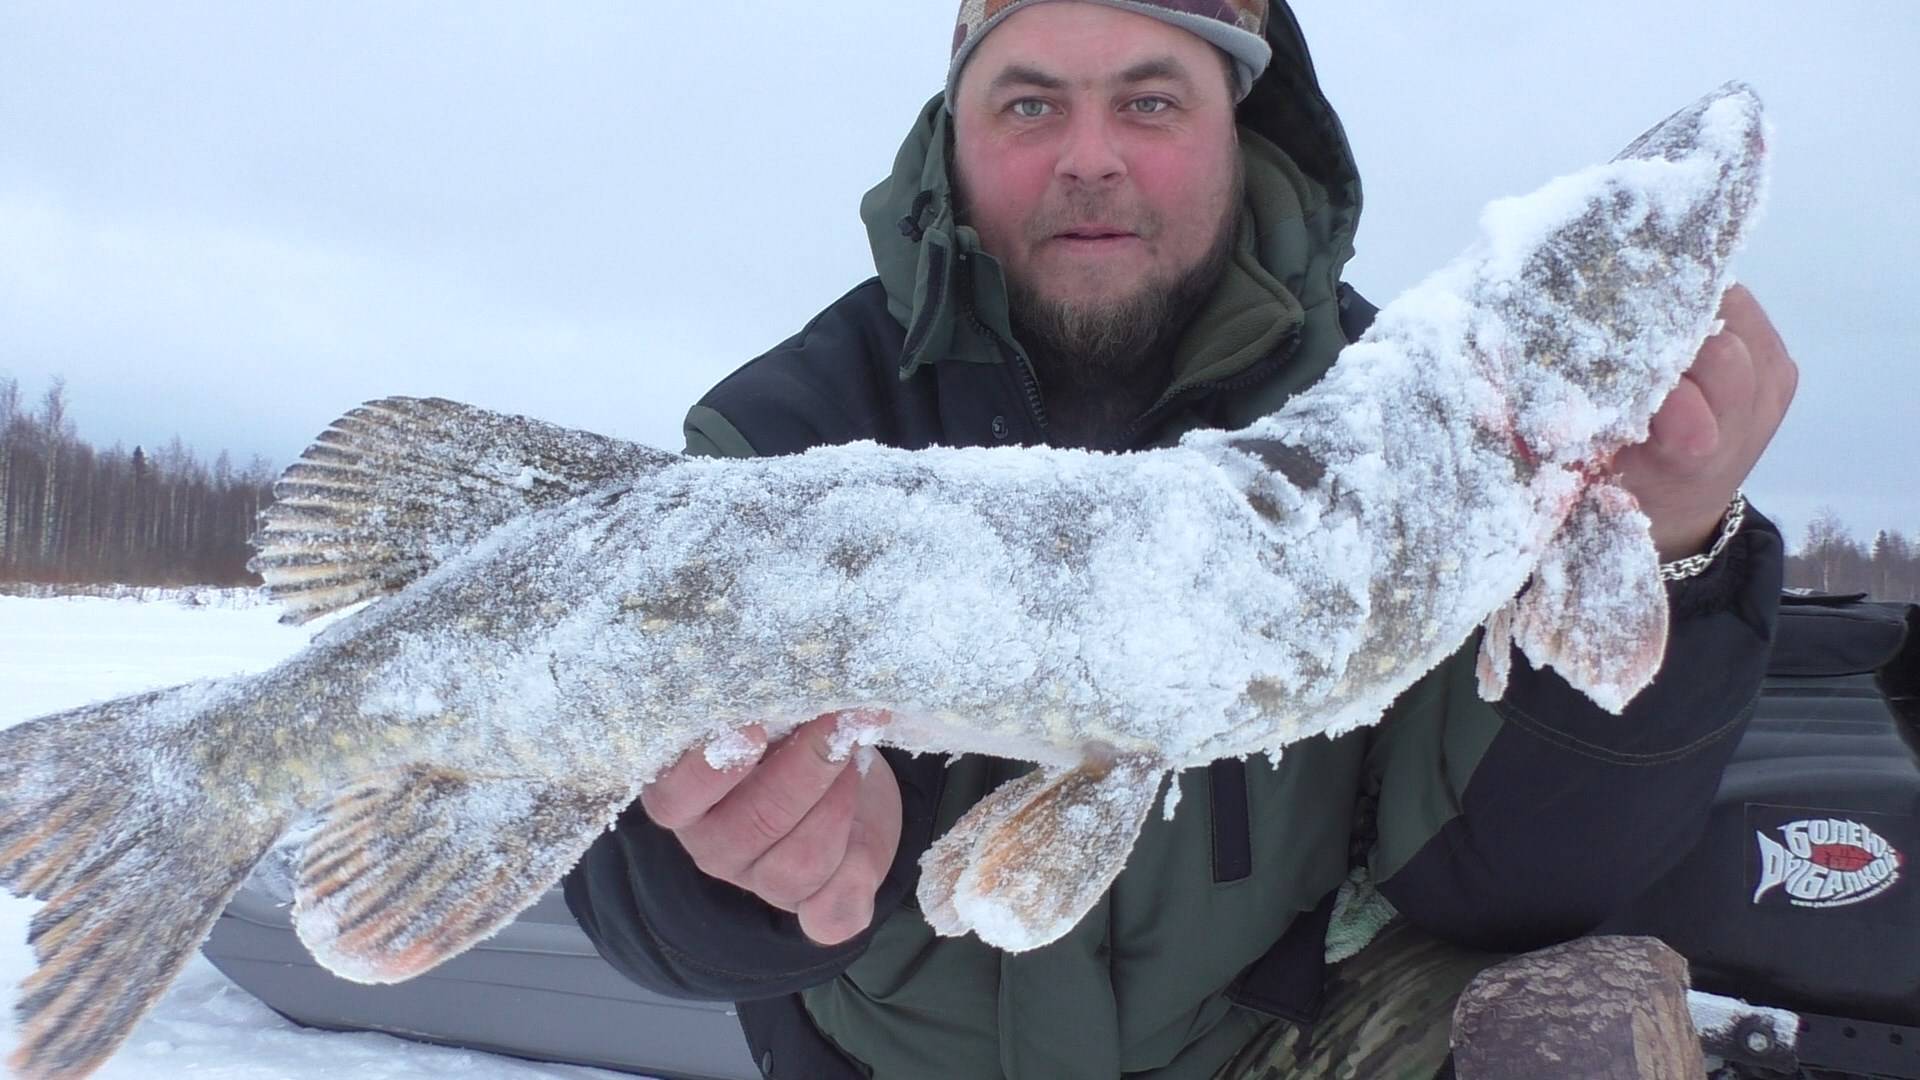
1831,560
73,514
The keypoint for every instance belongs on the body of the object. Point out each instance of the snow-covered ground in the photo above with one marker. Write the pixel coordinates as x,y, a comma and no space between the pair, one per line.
59,653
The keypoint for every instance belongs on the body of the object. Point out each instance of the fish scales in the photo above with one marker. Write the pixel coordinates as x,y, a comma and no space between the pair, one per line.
565,615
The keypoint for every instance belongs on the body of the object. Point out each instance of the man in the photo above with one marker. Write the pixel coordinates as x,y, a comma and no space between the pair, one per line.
1080,246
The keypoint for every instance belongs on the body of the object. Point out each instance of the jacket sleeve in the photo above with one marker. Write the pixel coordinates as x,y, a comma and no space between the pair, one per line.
1511,825
672,929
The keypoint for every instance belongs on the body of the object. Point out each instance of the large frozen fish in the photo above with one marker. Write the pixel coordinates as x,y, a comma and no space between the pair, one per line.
570,614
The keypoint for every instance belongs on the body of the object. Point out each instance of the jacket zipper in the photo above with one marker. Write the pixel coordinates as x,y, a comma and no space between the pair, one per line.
1029,381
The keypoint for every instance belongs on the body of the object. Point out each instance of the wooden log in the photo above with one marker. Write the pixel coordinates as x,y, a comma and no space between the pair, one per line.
1596,1008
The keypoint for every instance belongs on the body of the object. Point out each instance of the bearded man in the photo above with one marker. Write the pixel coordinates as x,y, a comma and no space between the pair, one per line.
1121,220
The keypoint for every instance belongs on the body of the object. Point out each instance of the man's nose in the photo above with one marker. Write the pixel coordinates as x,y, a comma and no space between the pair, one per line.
1091,155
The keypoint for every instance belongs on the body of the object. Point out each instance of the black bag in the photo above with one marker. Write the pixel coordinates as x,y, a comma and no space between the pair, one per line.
1804,893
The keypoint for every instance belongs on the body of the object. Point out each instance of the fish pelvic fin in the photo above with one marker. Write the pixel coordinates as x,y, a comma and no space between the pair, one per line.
1596,611
411,867
1028,862
397,486
942,864
134,870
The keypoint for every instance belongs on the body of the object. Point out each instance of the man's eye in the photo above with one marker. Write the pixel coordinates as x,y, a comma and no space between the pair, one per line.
1150,105
1030,108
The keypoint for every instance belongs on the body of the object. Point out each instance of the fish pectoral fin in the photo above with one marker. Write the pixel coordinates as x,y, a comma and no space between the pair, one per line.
1596,611
394,487
1031,859
1495,663
414,866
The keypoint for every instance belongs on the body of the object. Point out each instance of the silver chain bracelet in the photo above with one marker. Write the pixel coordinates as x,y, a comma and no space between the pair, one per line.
1693,565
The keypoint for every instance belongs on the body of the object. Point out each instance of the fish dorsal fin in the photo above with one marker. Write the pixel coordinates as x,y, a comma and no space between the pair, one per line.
396,486
414,866
1596,611
1028,862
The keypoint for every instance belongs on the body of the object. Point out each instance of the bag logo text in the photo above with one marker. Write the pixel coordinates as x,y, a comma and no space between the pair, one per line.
1826,863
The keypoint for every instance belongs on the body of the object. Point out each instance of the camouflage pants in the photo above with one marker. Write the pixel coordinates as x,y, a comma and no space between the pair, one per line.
1386,1015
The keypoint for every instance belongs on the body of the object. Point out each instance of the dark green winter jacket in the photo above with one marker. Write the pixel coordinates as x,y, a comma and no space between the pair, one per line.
1501,826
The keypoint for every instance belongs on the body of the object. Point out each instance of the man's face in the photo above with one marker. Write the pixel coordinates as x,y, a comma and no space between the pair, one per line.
1096,153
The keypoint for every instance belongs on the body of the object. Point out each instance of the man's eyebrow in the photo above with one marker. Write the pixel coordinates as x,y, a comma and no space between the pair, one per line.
1160,67
1022,75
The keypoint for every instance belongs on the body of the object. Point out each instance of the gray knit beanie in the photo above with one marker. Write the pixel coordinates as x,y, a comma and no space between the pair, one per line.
1236,27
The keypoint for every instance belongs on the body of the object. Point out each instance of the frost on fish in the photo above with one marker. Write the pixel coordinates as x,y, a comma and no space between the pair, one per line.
569,614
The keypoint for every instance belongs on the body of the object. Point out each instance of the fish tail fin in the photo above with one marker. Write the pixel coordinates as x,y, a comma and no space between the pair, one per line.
396,486
133,858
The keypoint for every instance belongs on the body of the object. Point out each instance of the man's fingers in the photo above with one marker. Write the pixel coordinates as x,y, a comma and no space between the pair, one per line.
1713,427
843,906
679,796
1775,375
800,864
767,805
1724,374
1740,310
1684,430
798,829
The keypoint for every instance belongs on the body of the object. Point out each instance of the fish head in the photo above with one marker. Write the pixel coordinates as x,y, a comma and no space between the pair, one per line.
1601,286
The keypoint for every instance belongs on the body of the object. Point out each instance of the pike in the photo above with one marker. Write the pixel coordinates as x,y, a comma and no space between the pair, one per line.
561,616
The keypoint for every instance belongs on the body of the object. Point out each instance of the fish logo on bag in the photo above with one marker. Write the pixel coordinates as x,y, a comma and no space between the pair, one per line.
1826,863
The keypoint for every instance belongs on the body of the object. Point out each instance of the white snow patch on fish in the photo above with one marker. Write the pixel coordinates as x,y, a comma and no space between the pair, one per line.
565,615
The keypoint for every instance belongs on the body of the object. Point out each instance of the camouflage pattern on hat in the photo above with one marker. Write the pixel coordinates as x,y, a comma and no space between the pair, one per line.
1248,15
1236,27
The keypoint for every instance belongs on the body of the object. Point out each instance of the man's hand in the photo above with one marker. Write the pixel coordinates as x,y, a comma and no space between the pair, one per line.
801,832
1711,429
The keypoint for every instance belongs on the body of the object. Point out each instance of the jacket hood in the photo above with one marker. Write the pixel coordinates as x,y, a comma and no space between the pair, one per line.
927,259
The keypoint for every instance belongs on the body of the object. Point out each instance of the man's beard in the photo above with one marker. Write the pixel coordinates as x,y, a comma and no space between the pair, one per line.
1127,336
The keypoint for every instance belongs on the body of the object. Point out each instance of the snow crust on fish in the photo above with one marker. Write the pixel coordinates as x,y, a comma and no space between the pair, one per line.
569,615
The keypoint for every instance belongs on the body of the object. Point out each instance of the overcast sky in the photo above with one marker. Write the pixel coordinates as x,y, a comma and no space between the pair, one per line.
234,220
